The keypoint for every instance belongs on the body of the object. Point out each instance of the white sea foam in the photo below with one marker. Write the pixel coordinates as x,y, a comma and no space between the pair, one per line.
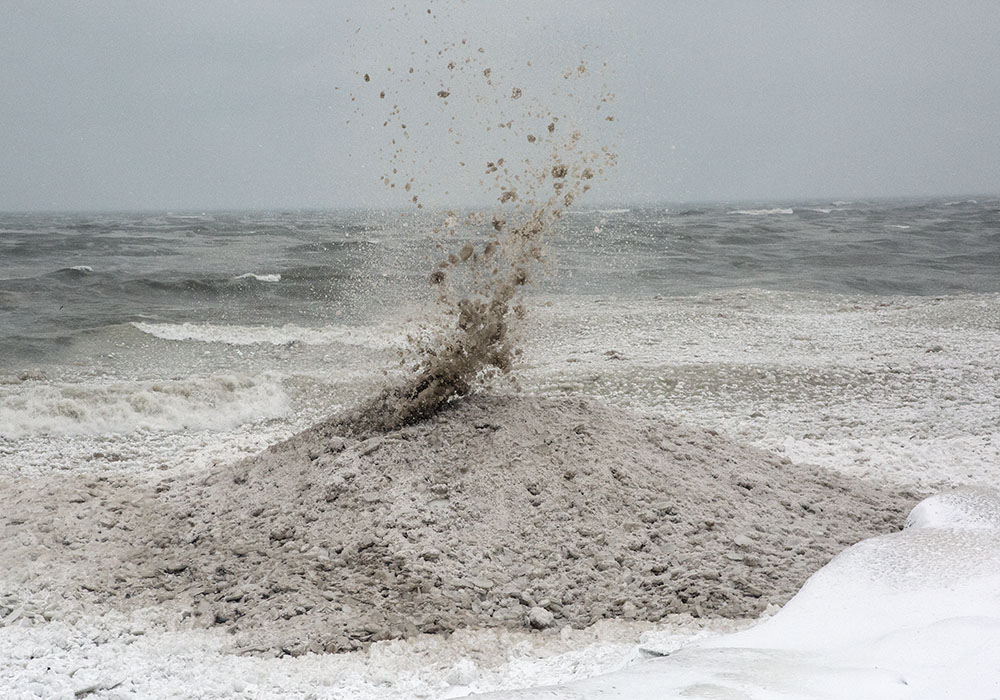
210,403
376,338
82,268
614,211
763,212
259,277
901,227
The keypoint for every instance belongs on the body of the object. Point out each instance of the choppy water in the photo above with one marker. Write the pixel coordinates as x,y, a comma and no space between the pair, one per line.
858,334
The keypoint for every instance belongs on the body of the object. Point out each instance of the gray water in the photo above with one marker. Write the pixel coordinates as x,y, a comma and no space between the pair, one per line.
63,276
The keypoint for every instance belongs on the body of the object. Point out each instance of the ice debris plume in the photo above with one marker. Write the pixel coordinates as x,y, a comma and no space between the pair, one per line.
479,299
478,285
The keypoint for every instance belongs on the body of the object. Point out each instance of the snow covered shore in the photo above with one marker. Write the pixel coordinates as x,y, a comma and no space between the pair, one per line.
914,614
525,526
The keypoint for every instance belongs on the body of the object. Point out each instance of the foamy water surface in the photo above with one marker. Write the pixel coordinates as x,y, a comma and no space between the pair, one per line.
856,335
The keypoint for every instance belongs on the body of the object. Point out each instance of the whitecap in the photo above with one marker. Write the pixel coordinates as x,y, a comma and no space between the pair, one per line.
360,336
259,277
763,212
215,403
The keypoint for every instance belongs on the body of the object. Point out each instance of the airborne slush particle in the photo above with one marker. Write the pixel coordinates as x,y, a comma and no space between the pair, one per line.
515,94
443,93
367,78
531,138
552,127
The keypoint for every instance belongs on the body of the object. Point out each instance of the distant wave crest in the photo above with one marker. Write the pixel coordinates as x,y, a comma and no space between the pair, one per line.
259,277
374,338
763,212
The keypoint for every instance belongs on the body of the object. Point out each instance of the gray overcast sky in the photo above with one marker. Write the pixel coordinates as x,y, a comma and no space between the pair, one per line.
192,105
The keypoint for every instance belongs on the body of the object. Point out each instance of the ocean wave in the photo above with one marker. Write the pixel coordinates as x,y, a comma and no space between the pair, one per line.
77,271
614,211
259,277
213,403
208,286
367,337
762,212
335,246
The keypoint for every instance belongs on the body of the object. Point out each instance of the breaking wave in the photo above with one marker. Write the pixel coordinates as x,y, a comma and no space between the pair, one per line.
259,277
367,337
212,403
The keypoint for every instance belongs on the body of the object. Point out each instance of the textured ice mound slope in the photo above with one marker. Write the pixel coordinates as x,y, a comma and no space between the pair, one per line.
915,614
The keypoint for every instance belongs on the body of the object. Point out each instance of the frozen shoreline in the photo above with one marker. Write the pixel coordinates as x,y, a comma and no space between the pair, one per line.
914,614
504,513
907,398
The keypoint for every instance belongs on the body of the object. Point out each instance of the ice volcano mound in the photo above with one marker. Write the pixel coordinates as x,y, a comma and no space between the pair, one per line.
502,511
499,512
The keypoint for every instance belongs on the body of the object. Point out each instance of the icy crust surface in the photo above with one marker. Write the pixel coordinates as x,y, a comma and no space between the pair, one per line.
972,508
503,512
914,614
